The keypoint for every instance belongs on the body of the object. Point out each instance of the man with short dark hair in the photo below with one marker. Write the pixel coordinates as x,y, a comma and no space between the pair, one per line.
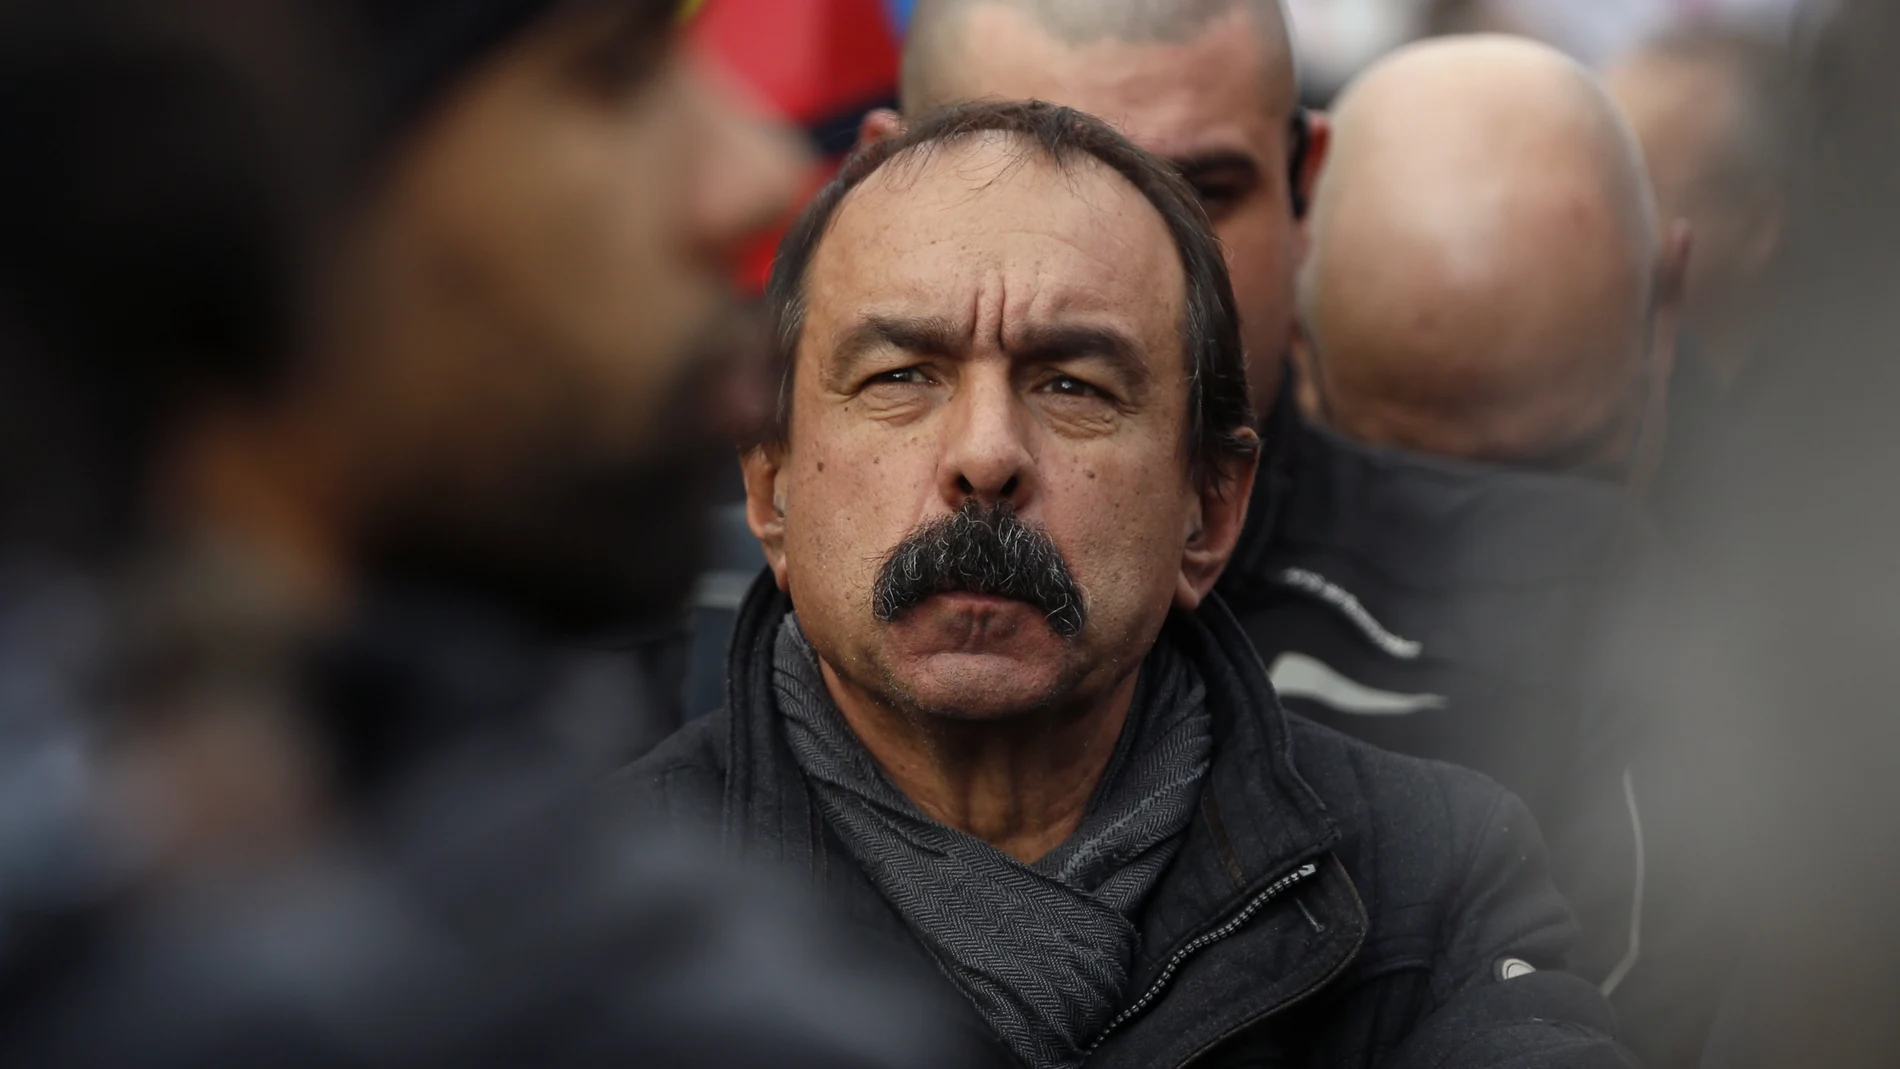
1208,84
985,698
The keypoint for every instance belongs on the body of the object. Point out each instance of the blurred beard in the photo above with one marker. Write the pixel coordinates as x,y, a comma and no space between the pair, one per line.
574,544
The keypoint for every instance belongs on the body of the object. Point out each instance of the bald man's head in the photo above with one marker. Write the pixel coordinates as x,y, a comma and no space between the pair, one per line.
1711,106
1208,84
1488,278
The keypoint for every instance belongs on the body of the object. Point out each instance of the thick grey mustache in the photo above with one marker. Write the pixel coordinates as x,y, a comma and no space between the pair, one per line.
980,550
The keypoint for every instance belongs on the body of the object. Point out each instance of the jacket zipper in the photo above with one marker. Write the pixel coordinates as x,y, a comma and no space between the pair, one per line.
1206,939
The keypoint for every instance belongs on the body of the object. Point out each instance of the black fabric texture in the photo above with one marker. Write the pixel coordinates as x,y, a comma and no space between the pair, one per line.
1041,950
1493,600
1332,905
483,911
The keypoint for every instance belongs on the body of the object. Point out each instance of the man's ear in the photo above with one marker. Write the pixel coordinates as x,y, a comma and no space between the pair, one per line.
1672,286
879,124
1671,296
1214,526
1306,169
765,504
1302,376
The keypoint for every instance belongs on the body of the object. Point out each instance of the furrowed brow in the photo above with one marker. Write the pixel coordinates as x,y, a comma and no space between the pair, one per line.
1057,342
919,335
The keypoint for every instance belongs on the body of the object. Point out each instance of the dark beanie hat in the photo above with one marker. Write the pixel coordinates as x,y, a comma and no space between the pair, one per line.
423,47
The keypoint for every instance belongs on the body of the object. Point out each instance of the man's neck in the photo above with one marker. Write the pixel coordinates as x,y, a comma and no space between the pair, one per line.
1022,784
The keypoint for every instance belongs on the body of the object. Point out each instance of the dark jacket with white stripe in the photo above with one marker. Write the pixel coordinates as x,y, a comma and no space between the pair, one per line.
1333,905
1464,613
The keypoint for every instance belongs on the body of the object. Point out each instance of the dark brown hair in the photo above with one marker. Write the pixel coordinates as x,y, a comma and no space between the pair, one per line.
1219,411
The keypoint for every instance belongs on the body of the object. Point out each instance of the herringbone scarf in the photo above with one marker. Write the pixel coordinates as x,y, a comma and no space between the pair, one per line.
1042,950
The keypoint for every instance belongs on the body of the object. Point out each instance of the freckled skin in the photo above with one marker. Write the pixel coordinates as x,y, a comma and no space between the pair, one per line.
1090,451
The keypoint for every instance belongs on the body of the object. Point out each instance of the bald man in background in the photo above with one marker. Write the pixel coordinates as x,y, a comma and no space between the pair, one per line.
1432,607
1490,305
1489,281
1711,106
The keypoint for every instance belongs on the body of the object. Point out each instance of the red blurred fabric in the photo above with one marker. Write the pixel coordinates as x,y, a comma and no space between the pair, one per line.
813,62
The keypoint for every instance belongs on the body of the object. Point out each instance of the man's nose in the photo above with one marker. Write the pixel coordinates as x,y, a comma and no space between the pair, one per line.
987,454
751,168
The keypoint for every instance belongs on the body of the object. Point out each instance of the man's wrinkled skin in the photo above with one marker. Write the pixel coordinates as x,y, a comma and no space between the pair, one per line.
1218,101
982,324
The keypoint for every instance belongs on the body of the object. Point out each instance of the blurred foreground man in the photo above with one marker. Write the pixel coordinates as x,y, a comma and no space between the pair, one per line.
985,698
386,852
1437,608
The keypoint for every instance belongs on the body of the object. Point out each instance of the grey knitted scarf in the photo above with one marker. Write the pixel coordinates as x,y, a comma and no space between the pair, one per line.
1042,950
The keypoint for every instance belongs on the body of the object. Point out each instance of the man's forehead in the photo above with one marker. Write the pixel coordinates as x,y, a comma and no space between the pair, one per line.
935,226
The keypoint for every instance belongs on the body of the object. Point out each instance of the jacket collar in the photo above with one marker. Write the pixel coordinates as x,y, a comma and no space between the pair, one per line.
1282,435
1443,524
1258,819
767,814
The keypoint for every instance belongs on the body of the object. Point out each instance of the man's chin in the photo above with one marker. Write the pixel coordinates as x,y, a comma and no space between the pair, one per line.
979,687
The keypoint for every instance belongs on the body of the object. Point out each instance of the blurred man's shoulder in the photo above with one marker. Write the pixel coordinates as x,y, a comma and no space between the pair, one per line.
682,778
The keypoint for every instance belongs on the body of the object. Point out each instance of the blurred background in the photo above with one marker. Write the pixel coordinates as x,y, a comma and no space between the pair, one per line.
822,64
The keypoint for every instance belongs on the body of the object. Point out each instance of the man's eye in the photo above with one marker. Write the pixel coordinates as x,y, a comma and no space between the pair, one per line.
1218,198
1070,386
905,376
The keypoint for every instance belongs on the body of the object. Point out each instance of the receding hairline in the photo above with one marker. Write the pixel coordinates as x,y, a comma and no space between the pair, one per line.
1017,151
1076,23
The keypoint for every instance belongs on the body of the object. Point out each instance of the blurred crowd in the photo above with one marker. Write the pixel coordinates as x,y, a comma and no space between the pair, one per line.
949,533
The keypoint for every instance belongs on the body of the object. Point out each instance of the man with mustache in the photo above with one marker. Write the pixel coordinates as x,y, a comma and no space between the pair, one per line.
984,698
1434,607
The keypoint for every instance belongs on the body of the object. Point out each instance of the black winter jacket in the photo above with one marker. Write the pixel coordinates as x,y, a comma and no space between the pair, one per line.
1333,905
1466,613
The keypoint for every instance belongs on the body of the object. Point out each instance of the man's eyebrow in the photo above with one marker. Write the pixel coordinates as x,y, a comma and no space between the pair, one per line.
1054,342
923,335
1202,164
